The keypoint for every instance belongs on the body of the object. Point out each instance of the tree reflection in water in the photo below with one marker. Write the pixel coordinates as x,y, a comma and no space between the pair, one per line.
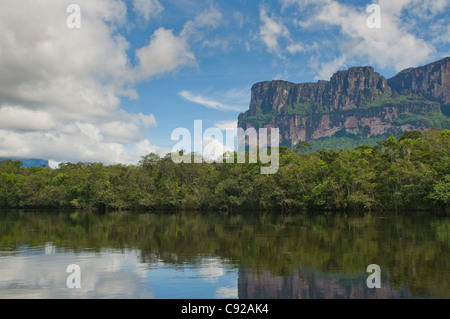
277,255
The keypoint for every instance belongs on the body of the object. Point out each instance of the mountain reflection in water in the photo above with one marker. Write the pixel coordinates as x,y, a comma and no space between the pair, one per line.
251,255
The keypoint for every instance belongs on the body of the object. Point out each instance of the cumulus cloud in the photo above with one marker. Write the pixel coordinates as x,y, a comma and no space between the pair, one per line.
46,65
129,130
165,53
148,8
77,142
61,88
271,31
387,47
22,119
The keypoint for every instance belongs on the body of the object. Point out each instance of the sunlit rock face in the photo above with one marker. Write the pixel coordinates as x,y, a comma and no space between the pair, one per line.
357,102
430,81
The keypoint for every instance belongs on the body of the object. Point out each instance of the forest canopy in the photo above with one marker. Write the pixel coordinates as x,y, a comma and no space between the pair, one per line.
411,173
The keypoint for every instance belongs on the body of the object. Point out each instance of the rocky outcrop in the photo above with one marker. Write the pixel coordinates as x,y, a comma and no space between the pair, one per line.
358,102
431,81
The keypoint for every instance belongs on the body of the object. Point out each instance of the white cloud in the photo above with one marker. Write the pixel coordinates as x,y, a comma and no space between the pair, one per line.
294,48
442,33
18,118
208,102
386,47
165,53
428,8
210,18
129,130
81,142
327,69
147,8
224,125
53,164
45,63
271,31
61,88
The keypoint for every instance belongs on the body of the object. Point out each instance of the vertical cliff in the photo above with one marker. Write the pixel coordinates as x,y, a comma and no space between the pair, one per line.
431,81
357,102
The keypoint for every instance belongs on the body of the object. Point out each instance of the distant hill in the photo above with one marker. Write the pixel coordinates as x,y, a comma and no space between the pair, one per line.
356,105
29,162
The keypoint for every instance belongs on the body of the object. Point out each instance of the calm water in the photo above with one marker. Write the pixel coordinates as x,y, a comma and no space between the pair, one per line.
188,256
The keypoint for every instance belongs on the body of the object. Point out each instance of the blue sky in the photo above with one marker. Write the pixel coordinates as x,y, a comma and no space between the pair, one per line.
115,89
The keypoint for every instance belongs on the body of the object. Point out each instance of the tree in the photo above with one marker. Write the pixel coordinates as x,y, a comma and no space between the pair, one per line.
441,191
149,161
411,135
302,147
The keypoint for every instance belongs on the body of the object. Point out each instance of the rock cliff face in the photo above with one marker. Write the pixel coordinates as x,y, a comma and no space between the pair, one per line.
358,102
431,81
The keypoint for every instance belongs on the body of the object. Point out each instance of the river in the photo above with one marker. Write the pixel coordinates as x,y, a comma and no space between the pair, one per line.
222,256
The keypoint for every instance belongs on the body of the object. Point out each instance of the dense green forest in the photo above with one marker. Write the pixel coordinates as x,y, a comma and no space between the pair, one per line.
347,141
411,173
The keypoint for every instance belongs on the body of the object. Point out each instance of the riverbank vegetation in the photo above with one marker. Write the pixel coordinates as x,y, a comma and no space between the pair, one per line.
411,173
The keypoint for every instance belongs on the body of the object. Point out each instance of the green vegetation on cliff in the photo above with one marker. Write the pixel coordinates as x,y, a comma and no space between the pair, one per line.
438,120
410,173
260,119
344,142
358,99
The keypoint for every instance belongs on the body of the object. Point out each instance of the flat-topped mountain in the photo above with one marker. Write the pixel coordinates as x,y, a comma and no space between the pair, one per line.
357,102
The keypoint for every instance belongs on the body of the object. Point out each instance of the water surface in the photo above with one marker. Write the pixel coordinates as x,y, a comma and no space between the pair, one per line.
249,255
